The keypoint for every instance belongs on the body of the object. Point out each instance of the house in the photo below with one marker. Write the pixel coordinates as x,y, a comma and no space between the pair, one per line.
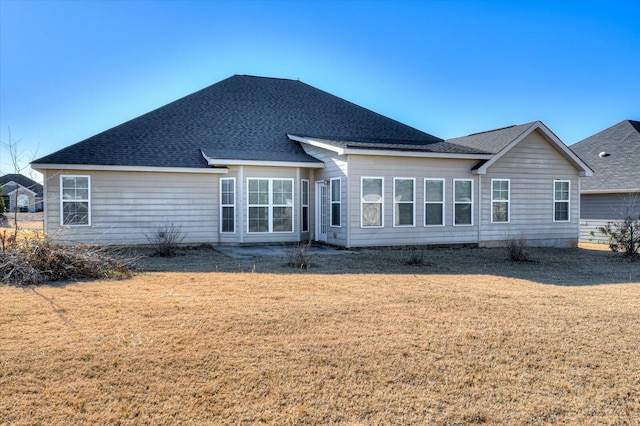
613,193
253,160
21,192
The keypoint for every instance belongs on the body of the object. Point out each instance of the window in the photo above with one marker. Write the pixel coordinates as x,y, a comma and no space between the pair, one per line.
335,202
403,200
462,202
305,205
228,205
372,201
23,203
270,205
434,202
561,201
499,200
75,200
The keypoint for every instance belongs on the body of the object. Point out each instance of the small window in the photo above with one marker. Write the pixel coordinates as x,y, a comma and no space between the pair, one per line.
305,205
75,200
228,205
462,202
561,200
404,202
434,202
500,200
270,206
372,201
335,202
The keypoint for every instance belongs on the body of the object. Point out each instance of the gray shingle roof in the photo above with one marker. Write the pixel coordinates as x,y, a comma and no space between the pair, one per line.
239,118
492,141
20,180
621,169
401,145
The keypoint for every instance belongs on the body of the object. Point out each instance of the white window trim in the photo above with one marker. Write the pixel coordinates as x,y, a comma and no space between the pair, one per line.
235,191
413,203
381,202
303,204
568,201
88,200
461,202
442,203
270,206
331,203
508,200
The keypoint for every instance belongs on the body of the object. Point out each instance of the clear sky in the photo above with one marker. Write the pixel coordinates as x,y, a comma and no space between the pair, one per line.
71,69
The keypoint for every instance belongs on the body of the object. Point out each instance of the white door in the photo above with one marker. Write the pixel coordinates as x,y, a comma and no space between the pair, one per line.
322,211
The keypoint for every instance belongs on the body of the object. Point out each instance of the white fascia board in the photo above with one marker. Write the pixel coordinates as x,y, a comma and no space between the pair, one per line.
316,143
387,152
610,191
262,163
22,188
583,169
94,167
416,154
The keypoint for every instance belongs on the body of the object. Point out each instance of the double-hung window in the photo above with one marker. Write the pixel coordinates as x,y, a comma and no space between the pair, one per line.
75,200
561,200
404,202
500,200
270,205
228,205
335,202
434,202
305,205
462,202
372,201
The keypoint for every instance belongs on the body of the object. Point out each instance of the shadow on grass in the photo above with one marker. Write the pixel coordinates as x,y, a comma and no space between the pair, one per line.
564,267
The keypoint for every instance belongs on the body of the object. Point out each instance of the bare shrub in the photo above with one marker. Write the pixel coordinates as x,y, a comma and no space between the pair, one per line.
37,259
624,236
416,258
166,240
518,249
299,257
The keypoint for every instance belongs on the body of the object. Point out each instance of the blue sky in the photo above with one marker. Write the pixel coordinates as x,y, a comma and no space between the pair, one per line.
71,69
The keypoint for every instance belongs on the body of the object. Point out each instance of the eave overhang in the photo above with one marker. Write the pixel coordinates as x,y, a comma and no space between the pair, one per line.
320,143
261,163
148,169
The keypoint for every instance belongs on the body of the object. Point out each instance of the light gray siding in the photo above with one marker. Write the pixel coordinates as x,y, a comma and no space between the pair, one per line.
532,166
406,167
598,209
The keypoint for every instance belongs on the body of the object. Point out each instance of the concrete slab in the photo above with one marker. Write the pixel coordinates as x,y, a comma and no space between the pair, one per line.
245,252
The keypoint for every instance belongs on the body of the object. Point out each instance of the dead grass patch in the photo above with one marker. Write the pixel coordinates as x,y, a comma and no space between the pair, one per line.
247,348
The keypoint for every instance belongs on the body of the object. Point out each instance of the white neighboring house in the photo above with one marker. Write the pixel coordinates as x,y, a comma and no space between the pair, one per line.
21,192
613,193
253,160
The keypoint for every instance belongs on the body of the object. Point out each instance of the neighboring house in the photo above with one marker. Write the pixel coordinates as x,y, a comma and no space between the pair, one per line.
254,160
613,193
21,192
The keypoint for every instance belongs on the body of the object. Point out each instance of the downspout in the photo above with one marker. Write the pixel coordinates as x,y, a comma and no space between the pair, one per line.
241,203
297,217
479,208
348,242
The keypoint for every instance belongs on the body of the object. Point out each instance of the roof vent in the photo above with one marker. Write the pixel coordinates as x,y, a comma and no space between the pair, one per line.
604,154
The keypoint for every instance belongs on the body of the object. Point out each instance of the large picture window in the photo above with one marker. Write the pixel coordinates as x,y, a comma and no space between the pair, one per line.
270,205
500,200
404,202
305,205
372,201
434,202
561,200
228,205
463,202
75,200
335,202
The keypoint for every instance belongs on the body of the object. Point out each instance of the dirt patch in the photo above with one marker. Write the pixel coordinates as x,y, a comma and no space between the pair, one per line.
576,266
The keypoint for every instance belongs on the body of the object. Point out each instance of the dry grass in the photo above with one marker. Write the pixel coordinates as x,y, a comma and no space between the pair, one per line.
312,348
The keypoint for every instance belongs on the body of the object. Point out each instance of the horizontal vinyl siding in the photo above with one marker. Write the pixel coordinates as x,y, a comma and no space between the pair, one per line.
129,207
532,166
419,169
336,166
609,206
590,231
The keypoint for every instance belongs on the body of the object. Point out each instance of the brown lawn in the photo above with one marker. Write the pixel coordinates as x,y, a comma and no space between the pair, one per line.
421,345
